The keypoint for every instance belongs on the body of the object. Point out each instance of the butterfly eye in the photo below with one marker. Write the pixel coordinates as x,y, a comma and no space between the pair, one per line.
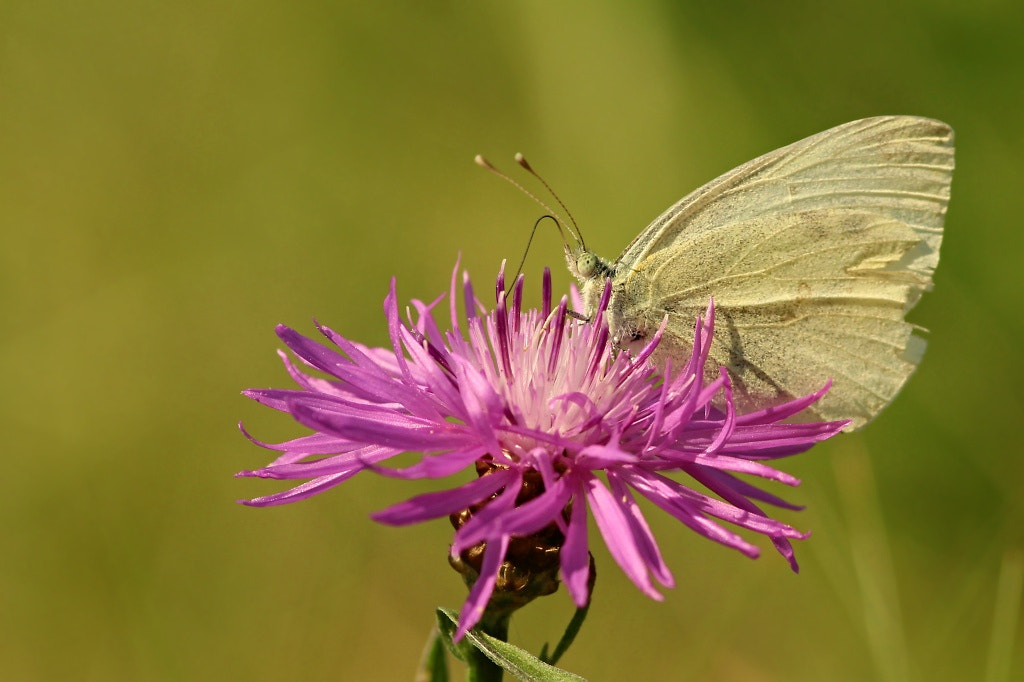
586,265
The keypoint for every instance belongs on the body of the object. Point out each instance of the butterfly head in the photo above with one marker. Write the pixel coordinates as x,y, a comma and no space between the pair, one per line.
586,265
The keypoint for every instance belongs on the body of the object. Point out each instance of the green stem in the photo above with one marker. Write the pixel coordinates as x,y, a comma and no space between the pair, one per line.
481,668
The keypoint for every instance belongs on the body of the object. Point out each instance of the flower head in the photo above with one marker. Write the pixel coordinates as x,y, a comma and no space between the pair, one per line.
538,404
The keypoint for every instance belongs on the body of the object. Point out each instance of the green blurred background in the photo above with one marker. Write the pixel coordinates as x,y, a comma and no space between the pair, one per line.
176,178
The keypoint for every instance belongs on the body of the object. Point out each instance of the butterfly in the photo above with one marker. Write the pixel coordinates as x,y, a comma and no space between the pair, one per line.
813,255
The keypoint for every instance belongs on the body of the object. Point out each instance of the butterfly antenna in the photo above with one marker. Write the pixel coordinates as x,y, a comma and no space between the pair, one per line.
521,160
488,166
522,262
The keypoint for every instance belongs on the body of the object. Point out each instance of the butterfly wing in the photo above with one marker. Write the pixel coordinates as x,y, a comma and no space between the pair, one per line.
813,254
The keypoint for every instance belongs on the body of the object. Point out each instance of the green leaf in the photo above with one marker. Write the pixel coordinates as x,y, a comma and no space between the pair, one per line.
524,665
433,664
447,622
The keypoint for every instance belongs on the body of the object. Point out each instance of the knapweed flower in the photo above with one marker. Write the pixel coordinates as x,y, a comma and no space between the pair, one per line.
554,421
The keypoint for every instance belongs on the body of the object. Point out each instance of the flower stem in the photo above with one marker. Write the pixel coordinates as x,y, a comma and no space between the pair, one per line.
482,668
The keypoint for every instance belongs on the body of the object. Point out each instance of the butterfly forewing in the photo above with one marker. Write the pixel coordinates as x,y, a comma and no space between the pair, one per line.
813,254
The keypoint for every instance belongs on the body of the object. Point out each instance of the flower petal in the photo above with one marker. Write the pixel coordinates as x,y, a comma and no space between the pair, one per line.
445,502
476,603
390,429
575,554
618,535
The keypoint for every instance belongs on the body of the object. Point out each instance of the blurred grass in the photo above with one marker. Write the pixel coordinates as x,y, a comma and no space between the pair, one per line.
177,178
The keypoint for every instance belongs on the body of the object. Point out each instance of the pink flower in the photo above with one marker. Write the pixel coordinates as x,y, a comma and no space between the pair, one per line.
535,398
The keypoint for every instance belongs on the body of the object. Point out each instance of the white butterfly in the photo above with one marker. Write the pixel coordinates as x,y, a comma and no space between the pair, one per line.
813,254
